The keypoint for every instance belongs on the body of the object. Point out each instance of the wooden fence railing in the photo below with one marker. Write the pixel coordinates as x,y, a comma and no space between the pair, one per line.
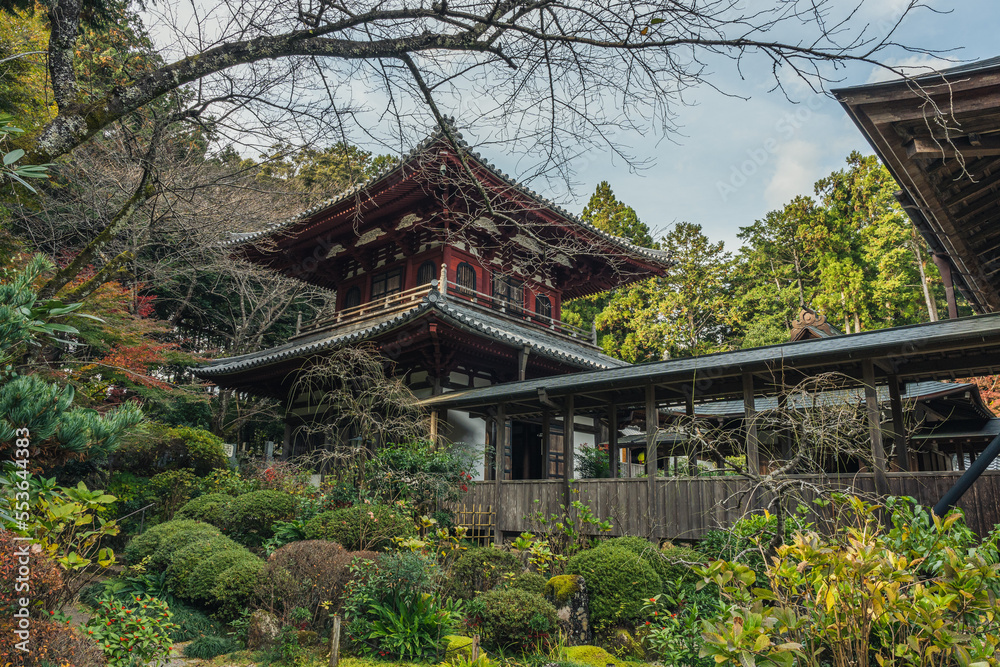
687,508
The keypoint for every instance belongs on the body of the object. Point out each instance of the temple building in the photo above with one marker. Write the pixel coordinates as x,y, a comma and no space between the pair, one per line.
457,275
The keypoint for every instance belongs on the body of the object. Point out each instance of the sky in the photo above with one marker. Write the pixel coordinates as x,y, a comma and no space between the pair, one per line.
721,175
733,159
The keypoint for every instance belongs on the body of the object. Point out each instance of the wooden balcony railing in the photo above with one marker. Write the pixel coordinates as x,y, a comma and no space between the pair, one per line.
408,298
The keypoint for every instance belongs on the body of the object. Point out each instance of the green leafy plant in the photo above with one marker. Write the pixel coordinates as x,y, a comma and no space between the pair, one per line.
11,170
482,569
674,636
361,527
569,530
210,646
132,633
253,515
513,619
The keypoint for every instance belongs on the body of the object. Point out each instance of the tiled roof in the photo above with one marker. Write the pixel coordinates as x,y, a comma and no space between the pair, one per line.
450,310
658,256
965,334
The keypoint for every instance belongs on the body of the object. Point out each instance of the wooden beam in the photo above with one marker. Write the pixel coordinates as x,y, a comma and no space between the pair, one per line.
613,452
750,424
522,361
927,147
498,465
875,427
568,462
898,425
652,426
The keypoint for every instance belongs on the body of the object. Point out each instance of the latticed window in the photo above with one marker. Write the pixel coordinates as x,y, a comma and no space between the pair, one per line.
465,278
508,293
425,273
353,297
543,306
384,284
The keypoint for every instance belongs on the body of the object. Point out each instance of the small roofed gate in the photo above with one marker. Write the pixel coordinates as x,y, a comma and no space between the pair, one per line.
687,508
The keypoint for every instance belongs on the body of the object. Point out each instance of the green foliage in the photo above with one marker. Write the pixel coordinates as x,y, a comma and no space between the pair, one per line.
202,450
253,515
393,607
921,536
213,508
186,560
130,633
671,563
192,624
512,619
10,170
171,490
482,569
416,473
566,532
849,598
210,646
361,527
673,632
529,582
159,542
592,656
205,575
592,463
618,583
236,588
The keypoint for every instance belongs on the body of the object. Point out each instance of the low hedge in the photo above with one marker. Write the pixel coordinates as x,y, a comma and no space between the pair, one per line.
618,582
361,527
668,562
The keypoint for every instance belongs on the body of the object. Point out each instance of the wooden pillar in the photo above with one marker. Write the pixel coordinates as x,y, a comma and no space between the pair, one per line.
960,453
652,426
568,459
875,426
490,440
693,451
944,268
898,425
498,461
613,451
750,423
547,444
434,429
286,440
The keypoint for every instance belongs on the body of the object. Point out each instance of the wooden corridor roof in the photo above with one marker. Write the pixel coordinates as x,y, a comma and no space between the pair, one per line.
943,350
939,136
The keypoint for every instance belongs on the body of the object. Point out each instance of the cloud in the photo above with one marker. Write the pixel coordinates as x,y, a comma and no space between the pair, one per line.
798,165
915,65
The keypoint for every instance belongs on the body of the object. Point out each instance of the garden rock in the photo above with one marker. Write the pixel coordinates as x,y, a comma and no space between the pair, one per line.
621,642
263,631
568,594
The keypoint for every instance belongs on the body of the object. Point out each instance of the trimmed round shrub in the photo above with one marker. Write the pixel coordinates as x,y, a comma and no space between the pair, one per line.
171,544
150,542
212,508
618,581
205,576
236,588
361,527
482,569
186,560
308,573
210,646
668,562
253,515
530,582
512,619
202,449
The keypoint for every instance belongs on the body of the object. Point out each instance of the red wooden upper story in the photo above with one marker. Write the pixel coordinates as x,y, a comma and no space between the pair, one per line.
518,254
